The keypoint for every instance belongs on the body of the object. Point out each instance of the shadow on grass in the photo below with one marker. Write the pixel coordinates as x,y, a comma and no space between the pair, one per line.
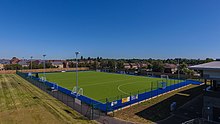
161,110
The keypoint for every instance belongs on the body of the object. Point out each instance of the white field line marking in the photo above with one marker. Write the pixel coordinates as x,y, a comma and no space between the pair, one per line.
127,84
106,82
122,90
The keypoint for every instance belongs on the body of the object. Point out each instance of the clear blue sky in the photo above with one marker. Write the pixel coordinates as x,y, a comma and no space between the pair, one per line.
110,28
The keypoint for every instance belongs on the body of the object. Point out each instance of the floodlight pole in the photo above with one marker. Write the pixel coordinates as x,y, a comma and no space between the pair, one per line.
76,71
178,68
115,66
21,65
31,62
44,65
96,64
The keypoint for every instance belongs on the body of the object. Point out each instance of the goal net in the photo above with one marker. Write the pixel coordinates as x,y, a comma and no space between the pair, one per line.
43,79
149,74
77,91
164,78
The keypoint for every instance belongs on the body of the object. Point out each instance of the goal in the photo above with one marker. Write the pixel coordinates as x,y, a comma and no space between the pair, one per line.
43,79
76,91
150,74
164,77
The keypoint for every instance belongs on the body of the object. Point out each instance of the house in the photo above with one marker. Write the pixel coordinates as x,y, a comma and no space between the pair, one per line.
127,66
143,65
170,68
57,63
134,66
65,64
24,63
4,61
14,60
38,61
1,67
210,72
143,68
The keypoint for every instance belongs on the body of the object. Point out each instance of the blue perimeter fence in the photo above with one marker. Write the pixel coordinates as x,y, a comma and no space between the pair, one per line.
117,104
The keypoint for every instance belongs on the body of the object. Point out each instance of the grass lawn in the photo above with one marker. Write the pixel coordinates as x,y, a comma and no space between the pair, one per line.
23,103
100,85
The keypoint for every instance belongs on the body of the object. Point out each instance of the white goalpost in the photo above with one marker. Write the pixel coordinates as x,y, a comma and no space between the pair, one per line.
150,74
76,91
43,79
164,77
164,81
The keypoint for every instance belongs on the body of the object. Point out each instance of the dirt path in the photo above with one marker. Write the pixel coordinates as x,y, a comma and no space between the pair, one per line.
23,103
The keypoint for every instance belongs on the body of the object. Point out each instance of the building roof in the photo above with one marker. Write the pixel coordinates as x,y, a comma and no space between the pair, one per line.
4,61
215,65
126,64
172,66
57,63
23,62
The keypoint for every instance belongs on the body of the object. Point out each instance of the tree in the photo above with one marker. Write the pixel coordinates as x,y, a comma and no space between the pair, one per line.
182,67
13,67
120,65
188,72
111,65
158,66
35,65
208,60
149,66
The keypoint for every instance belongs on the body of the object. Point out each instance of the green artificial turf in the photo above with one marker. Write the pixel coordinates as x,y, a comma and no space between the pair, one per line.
100,85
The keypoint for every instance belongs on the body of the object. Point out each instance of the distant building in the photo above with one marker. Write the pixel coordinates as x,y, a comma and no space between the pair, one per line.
210,72
127,66
134,66
24,63
57,63
4,61
38,61
1,67
170,68
14,60
143,65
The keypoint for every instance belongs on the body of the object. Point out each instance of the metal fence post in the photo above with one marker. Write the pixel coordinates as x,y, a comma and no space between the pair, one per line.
106,106
92,111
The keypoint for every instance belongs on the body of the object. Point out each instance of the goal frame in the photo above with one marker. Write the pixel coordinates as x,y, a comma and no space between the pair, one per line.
76,91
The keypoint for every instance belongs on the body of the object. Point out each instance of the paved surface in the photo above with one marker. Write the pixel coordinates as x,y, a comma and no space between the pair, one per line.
191,110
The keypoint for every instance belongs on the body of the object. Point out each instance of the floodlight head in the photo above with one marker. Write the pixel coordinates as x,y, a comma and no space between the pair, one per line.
31,57
44,55
77,53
